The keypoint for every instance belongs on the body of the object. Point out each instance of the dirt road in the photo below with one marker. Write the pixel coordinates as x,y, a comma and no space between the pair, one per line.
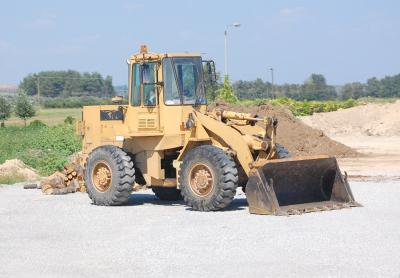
66,236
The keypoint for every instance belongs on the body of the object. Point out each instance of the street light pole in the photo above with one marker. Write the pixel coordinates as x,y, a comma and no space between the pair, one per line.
226,44
226,51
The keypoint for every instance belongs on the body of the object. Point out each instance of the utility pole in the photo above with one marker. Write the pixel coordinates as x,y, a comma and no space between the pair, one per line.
226,51
272,83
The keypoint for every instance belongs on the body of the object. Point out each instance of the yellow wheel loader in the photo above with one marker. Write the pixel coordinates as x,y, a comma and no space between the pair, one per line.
166,139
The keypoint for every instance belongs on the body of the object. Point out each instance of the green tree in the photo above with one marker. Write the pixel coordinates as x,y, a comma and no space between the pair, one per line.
316,88
210,85
353,90
23,108
29,84
5,110
67,83
109,90
226,93
374,87
252,89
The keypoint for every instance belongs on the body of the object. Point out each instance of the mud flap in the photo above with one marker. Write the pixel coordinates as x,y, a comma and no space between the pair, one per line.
298,185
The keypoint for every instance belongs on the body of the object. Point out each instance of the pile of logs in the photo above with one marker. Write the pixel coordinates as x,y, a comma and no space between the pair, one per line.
74,173
68,181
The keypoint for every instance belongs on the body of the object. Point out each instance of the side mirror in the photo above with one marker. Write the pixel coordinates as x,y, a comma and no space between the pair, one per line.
210,68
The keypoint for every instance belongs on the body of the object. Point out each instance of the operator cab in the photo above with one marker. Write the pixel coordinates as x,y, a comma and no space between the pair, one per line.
181,78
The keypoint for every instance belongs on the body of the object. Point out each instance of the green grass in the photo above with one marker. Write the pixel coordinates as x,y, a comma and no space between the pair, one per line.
49,116
44,148
305,108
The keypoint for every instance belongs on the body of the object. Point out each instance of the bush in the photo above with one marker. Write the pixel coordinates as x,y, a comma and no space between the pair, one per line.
37,123
305,108
74,102
69,120
5,110
226,93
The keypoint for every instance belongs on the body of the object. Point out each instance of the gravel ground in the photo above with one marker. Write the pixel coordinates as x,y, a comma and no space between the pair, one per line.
66,236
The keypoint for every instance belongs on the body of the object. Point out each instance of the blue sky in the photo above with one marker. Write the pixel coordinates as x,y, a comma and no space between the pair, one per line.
344,40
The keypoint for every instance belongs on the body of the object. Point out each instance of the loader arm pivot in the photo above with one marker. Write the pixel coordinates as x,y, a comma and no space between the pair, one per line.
230,137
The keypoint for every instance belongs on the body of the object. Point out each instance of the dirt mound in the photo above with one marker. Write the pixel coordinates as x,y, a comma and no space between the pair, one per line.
370,119
299,138
17,169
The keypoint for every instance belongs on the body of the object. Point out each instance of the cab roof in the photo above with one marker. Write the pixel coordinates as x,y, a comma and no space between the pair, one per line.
145,55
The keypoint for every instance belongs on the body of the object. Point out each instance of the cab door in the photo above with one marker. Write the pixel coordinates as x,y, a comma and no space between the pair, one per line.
143,115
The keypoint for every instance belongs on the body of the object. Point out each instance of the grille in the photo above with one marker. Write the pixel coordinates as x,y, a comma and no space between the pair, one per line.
147,123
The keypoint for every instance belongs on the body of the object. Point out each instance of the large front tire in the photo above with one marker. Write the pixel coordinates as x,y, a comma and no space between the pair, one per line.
109,176
208,178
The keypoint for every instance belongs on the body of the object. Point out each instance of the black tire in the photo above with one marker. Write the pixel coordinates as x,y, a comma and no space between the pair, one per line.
282,151
167,193
122,176
224,174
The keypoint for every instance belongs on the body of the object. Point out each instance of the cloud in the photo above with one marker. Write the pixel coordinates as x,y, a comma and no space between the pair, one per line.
40,22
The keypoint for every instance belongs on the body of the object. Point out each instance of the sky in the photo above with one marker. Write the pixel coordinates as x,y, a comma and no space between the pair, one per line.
344,40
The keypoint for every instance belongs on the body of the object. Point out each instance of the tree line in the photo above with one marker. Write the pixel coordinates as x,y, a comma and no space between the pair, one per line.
386,87
316,88
72,84
67,84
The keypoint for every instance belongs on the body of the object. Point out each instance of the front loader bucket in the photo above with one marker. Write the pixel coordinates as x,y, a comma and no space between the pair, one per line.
297,185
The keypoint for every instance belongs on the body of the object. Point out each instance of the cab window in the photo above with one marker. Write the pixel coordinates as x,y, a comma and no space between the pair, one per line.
149,84
171,93
135,101
183,81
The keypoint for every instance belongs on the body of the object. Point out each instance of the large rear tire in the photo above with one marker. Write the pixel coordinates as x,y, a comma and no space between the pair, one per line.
167,193
109,176
208,178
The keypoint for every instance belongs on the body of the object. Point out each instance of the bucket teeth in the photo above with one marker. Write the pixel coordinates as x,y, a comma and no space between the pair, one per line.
295,212
311,210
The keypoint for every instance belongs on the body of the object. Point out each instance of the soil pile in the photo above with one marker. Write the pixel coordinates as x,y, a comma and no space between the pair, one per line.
16,168
370,119
299,138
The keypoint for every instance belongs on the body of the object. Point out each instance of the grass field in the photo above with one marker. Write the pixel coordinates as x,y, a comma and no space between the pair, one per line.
44,148
51,117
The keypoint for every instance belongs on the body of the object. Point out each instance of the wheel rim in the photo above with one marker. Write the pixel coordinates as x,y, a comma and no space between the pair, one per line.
101,176
201,180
